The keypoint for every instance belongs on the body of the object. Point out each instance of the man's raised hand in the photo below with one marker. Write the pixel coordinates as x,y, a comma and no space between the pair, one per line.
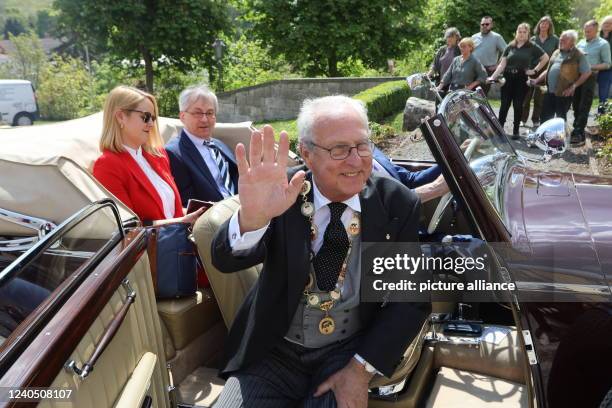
264,190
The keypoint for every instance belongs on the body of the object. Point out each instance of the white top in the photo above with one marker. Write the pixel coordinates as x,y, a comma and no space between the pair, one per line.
210,162
165,192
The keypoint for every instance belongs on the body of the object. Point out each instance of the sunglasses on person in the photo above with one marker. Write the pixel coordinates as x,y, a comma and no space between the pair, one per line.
147,117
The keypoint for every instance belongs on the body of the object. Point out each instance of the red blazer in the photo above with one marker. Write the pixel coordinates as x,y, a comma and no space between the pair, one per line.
122,176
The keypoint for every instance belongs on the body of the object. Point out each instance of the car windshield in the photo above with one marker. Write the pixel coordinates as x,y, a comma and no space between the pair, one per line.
477,130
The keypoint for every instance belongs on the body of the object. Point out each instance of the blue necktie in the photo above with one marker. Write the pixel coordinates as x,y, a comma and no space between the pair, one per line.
222,165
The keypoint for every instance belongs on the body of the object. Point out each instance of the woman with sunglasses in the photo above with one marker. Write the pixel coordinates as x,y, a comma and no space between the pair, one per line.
134,166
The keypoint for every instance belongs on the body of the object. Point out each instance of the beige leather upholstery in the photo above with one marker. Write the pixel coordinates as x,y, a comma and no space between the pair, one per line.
230,289
139,335
138,386
203,351
201,388
456,388
504,360
187,318
167,342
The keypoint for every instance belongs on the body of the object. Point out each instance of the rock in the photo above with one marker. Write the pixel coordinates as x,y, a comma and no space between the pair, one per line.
416,109
423,92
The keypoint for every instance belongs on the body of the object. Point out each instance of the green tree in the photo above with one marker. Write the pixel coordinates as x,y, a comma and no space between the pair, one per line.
28,59
158,32
317,35
249,63
15,22
466,14
604,9
64,91
45,22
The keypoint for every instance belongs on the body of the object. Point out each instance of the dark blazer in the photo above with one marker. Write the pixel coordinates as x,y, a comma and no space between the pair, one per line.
411,179
122,176
266,313
191,173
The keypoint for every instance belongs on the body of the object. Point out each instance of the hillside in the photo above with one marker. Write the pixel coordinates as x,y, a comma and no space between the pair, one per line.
27,7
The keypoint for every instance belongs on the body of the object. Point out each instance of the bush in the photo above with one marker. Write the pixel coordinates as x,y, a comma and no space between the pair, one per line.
384,99
604,121
65,90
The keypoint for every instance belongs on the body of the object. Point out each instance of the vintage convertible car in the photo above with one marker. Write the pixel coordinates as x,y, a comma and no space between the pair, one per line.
78,310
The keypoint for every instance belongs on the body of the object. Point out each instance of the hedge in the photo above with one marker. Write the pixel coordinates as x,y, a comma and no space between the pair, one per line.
385,99
382,101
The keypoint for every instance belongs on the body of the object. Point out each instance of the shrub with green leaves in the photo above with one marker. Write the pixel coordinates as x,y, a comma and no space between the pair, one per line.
65,90
384,99
604,121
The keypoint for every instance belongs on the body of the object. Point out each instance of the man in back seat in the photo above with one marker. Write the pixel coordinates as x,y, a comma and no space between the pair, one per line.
303,335
204,168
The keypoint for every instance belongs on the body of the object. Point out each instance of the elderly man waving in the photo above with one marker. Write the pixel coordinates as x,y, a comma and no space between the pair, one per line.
303,336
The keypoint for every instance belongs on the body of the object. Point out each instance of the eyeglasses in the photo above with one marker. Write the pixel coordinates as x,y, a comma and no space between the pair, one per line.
147,117
200,115
341,152
485,24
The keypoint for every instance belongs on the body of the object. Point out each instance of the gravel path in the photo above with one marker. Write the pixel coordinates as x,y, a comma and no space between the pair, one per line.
575,159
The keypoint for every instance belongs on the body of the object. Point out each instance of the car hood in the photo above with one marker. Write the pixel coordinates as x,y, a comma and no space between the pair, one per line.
564,222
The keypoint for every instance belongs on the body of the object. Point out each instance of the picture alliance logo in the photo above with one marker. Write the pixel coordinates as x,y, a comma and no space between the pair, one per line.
411,264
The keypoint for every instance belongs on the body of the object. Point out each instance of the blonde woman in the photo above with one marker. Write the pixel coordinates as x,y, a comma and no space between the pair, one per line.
134,166
515,64
545,38
465,71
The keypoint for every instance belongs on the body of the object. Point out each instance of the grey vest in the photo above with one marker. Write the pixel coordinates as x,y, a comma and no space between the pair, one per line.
304,328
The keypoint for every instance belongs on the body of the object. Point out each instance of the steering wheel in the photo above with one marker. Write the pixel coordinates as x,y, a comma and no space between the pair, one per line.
446,198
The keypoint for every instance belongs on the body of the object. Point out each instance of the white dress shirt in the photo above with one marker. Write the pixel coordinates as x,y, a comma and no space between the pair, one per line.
165,192
210,162
240,242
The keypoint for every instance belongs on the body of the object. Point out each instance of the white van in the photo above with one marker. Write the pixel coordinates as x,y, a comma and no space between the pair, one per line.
18,105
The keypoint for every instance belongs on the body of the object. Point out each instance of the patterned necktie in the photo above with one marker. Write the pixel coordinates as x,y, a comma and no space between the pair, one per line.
329,259
222,165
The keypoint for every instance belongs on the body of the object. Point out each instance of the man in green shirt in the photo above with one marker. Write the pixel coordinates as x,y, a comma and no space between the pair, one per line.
488,47
597,51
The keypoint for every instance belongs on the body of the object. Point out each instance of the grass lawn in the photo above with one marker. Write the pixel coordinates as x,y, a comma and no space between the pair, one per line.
288,125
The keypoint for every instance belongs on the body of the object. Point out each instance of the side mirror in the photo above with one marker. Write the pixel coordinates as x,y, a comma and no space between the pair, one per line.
550,137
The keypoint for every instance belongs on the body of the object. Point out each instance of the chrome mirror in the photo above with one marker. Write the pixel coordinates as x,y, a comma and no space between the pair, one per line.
550,137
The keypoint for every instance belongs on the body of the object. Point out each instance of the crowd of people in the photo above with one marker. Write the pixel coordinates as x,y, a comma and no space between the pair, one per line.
557,73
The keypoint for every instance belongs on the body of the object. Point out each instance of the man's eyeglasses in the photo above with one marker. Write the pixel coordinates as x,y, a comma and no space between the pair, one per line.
200,115
341,152
147,117
485,24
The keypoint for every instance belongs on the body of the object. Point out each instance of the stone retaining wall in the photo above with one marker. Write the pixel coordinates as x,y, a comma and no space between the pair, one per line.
282,99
